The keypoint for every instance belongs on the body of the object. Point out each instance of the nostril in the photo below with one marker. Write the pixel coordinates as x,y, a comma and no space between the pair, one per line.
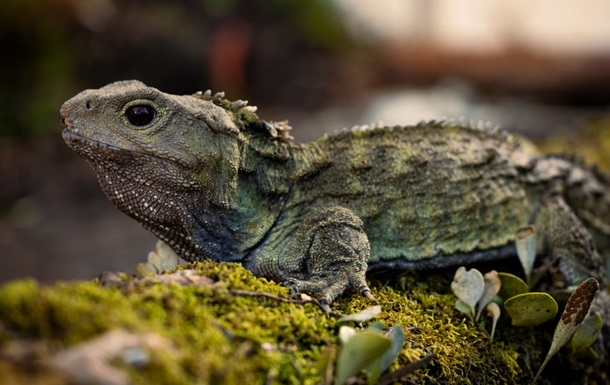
66,122
89,104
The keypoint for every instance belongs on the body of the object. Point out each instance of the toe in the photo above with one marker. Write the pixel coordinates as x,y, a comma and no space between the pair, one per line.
325,306
367,293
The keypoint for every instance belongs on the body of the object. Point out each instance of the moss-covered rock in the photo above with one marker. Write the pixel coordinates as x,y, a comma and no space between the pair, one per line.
221,336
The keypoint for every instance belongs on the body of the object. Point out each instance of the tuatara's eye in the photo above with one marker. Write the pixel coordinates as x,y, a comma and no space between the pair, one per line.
140,115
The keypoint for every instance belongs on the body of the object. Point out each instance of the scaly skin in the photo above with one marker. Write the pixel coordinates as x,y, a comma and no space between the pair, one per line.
212,180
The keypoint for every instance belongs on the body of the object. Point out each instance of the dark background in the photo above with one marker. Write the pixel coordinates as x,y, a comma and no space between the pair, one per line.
312,62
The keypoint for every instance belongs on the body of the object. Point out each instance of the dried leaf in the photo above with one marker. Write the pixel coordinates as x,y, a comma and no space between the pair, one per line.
493,311
303,297
531,309
163,258
511,286
526,249
492,287
573,315
364,315
360,351
468,286
145,269
182,278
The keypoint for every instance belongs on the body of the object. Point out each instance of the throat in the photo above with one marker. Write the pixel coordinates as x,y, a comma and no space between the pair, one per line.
229,234
140,200
159,210
190,223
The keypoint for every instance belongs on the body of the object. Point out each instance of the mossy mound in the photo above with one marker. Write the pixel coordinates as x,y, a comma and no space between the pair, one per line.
218,336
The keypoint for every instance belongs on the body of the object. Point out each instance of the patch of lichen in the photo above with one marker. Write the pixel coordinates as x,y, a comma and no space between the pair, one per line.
221,337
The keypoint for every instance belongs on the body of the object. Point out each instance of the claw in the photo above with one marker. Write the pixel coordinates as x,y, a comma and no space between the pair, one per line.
325,306
293,287
367,294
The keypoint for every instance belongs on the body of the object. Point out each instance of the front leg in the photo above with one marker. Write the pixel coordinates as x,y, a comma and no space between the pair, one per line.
326,256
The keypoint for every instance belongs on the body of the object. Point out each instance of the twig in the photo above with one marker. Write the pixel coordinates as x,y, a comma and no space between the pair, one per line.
249,293
192,277
394,376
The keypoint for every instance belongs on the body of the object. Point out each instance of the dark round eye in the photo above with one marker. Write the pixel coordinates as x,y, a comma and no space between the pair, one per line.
140,116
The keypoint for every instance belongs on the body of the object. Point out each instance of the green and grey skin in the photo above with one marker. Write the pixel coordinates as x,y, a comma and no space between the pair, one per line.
212,180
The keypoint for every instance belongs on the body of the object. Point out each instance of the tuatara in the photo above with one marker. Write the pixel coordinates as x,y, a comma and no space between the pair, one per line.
213,180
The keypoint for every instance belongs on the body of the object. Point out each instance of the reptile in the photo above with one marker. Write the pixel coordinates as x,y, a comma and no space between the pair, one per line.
210,178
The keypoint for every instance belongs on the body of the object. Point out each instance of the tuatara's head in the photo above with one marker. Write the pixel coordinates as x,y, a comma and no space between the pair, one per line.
146,136
152,150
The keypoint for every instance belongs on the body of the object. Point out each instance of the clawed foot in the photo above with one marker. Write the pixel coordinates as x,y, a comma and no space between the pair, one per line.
327,289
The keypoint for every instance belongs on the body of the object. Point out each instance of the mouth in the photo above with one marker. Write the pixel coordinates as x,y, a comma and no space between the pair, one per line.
95,151
75,140
73,137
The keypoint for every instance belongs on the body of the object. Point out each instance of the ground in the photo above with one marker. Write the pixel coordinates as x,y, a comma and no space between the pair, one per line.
213,333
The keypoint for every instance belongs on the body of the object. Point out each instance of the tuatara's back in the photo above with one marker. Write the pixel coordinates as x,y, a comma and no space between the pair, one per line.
435,189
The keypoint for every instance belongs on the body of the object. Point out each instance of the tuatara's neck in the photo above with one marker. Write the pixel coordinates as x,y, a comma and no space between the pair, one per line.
231,233
195,226
228,230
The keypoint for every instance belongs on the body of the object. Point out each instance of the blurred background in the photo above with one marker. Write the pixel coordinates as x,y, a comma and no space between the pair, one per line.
540,67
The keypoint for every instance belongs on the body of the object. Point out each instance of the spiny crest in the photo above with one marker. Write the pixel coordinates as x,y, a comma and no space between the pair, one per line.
278,131
218,98
516,142
477,125
362,127
480,125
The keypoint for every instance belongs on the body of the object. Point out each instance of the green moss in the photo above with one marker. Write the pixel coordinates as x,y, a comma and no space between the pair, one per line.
220,337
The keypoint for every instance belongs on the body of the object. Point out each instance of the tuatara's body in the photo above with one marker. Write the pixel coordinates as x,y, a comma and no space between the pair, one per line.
212,180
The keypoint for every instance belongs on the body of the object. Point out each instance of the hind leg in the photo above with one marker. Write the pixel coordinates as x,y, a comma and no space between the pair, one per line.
566,238
569,241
